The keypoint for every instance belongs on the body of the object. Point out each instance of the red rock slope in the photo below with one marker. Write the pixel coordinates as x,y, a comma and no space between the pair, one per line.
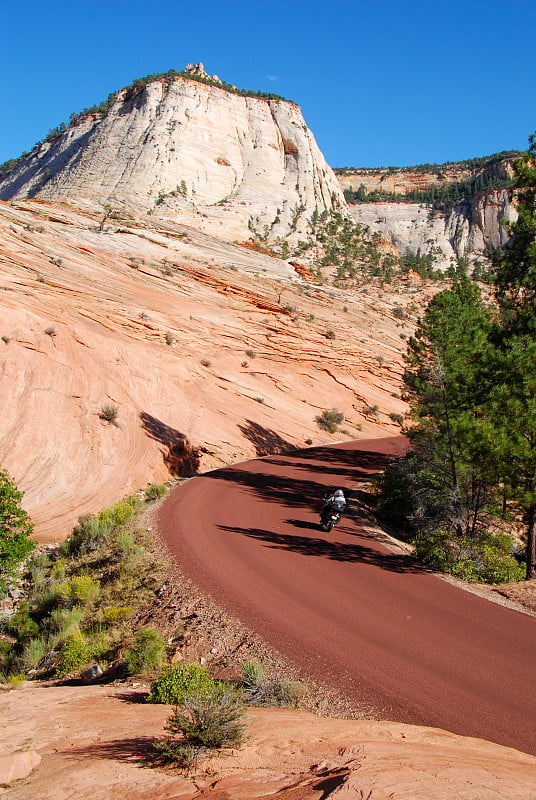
255,353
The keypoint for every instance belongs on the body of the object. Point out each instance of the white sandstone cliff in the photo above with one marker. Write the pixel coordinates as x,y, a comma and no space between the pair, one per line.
471,231
226,163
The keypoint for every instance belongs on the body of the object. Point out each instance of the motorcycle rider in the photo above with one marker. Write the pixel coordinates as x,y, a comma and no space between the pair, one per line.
335,501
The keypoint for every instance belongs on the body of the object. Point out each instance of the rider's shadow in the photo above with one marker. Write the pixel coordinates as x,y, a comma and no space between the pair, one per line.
301,523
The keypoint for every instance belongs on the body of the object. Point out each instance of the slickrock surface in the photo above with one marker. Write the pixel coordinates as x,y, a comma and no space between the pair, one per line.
96,744
256,353
183,149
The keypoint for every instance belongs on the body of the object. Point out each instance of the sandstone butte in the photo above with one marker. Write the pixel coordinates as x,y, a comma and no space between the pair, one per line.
212,353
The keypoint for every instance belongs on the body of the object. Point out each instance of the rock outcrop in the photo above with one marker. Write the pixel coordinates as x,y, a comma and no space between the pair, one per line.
96,742
470,230
195,152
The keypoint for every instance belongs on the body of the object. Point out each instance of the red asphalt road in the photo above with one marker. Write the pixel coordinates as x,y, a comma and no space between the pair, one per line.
348,610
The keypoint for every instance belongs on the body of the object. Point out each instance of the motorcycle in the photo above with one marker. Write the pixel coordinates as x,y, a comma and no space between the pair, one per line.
329,518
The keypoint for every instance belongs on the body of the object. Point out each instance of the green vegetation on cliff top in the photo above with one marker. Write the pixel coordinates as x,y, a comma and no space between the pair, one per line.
131,90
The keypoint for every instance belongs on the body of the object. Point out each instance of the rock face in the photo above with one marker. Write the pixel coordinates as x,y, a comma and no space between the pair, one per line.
182,149
195,340
95,745
472,230
402,180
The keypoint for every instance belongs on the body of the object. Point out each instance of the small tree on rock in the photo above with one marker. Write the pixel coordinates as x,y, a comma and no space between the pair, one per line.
15,530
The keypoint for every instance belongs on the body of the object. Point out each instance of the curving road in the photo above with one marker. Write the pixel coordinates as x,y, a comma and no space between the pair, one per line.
343,606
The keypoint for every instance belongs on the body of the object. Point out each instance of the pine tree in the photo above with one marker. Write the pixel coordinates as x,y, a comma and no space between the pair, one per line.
15,529
513,401
446,361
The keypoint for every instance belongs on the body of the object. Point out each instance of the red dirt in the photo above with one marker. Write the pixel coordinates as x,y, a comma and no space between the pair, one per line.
346,607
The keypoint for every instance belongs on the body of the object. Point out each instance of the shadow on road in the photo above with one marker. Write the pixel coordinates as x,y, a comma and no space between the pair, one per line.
301,523
297,492
336,551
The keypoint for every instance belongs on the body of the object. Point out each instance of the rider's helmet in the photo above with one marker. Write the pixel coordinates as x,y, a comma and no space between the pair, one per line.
339,493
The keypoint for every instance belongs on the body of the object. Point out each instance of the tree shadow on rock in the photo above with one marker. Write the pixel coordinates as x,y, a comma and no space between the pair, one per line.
180,457
139,750
264,440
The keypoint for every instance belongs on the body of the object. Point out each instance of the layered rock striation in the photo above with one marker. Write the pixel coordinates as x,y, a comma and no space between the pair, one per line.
177,148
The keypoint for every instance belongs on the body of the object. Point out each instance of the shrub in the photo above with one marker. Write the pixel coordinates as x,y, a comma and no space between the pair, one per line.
84,589
7,658
124,541
308,441
251,354
87,536
6,339
329,420
154,491
273,693
183,754
178,681
485,559
63,622
34,652
117,613
397,418
21,623
109,412
146,652
169,338
205,362
329,334
74,654
211,719
50,331
80,589
15,530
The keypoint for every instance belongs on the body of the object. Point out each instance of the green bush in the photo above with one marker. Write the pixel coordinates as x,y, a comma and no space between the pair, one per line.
176,682
182,753
87,536
7,658
74,654
15,530
80,589
146,652
154,491
117,613
92,530
124,541
34,652
485,559
212,719
63,622
275,693
21,624
329,420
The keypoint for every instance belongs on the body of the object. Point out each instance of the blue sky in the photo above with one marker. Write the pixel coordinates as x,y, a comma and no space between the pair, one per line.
379,83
